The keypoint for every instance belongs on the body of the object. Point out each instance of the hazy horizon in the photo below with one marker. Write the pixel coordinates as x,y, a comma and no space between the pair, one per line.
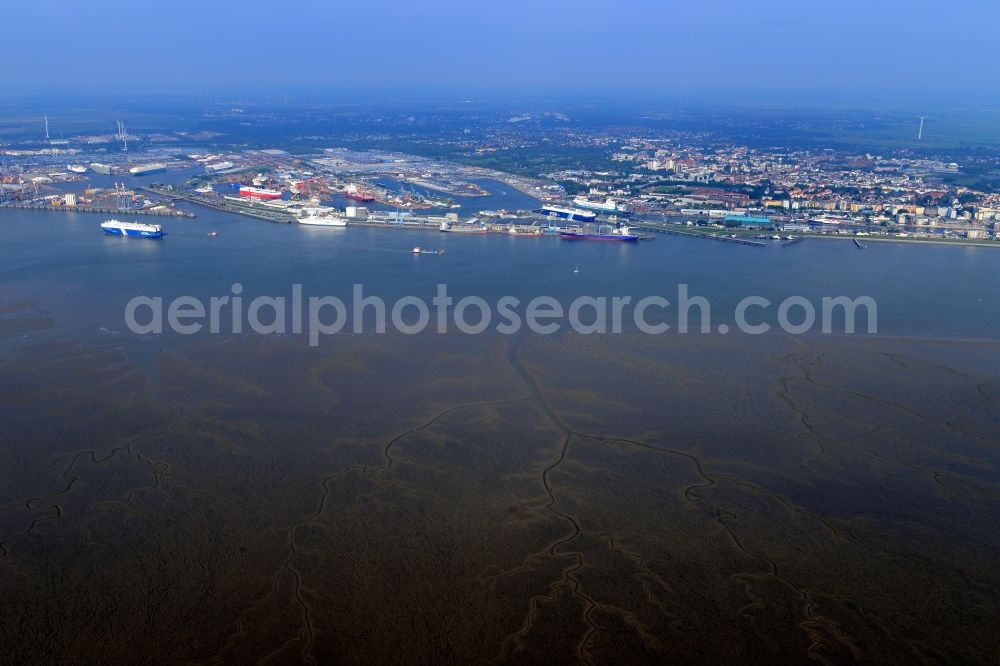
767,49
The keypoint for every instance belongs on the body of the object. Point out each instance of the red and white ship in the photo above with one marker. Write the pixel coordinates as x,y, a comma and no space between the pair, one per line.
358,193
259,192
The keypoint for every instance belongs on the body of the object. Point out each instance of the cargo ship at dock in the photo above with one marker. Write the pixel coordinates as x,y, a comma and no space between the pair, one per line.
323,221
573,214
259,192
358,193
146,169
131,229
607,206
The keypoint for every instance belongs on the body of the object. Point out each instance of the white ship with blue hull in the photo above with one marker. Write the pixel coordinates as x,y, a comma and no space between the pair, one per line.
132,229
574,214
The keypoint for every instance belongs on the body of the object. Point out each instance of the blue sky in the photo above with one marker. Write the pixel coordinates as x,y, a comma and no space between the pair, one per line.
672,46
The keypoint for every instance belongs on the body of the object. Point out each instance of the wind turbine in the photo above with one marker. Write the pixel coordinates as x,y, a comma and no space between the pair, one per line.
123,134
920,132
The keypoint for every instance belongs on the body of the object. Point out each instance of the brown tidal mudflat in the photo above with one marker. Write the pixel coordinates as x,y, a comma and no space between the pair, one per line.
20,318
460,499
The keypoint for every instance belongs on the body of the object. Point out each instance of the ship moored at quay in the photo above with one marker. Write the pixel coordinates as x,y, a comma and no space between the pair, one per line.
572,214
607,206
147,169
323,220
259,192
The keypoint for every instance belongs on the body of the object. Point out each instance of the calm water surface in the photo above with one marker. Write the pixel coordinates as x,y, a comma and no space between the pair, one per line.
84,279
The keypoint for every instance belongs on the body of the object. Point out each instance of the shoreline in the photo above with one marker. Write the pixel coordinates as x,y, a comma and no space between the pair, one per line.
681,230
925,241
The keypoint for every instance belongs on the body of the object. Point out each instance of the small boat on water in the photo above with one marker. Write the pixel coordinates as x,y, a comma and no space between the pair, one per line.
132,229
212,233
420,250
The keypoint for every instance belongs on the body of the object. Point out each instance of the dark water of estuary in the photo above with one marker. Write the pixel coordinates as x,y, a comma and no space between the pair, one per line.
488,498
